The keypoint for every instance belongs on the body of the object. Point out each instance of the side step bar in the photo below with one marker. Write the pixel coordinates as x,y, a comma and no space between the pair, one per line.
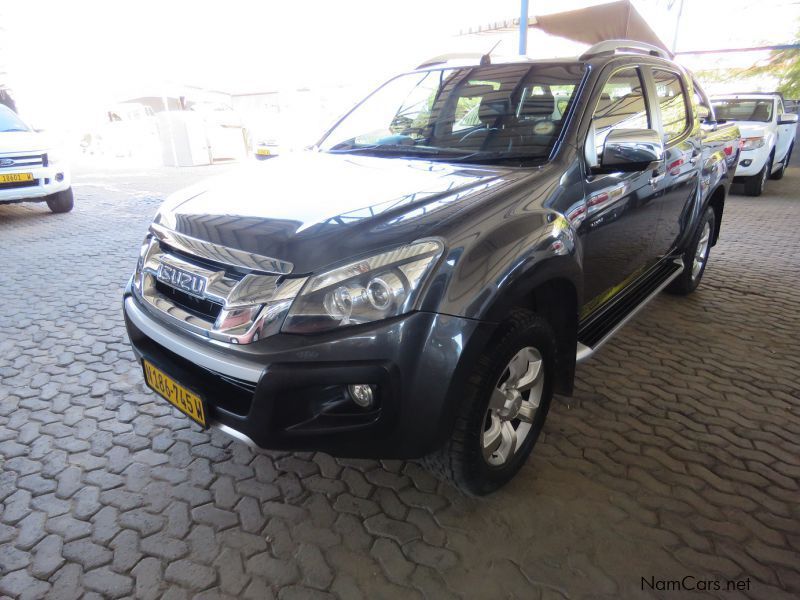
600,328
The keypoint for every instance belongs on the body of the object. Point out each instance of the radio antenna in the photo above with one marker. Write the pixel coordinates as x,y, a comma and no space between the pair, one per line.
486,59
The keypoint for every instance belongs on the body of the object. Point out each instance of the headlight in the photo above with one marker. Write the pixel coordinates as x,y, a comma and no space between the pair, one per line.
752,143
54,157
375,288
137,275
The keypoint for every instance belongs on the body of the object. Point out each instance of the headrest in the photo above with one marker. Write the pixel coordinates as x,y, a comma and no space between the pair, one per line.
538,106
474,90
761,113
490,110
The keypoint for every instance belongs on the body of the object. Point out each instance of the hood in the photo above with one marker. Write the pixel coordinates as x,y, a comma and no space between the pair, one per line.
314,209
22,141
751,128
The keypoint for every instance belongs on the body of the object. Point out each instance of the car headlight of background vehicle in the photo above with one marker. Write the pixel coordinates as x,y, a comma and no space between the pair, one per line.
375,288
752,143
55,157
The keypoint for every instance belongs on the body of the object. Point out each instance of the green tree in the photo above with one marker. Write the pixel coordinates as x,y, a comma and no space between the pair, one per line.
783,65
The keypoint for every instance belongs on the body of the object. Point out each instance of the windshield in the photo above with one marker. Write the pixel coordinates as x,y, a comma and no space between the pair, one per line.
743,110
9,121
493,113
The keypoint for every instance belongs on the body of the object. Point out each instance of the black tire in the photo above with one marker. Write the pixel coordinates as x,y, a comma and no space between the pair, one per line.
61,202
461,460
784,163
688,280
754,185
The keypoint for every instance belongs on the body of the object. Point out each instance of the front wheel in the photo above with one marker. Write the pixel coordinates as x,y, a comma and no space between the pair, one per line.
695,257
754,185
503,410
61,202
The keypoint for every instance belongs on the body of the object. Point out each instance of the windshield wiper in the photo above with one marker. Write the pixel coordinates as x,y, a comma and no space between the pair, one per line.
391,149
443,154
486,156
12,129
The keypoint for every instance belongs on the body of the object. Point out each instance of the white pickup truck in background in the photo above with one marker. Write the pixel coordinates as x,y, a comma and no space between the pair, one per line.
768,133
30,169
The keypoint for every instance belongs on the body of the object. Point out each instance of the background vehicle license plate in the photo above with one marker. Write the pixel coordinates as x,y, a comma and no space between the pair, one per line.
15,177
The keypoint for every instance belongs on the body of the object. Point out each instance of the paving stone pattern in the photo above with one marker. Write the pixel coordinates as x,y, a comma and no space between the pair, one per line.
678,455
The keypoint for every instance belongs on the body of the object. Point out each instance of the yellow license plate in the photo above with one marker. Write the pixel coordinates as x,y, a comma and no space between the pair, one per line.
15,177
185,401
263,152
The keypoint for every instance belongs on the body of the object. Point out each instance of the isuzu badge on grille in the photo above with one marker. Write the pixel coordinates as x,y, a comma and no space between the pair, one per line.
182,280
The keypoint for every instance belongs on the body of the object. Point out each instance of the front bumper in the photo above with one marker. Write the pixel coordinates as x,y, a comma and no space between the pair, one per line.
45,184
758,158
287,391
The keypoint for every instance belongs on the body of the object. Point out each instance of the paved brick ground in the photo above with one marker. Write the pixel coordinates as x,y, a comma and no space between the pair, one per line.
679,455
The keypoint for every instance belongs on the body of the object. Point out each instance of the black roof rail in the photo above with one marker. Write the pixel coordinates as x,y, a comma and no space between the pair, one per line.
624,46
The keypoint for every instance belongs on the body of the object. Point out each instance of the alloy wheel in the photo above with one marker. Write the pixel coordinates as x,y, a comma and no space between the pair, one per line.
701,252
513,406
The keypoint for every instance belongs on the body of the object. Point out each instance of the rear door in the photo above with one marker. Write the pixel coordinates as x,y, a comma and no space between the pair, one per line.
621,214
678,185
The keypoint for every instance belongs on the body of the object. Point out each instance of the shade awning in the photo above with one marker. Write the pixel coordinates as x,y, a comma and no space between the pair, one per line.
613,21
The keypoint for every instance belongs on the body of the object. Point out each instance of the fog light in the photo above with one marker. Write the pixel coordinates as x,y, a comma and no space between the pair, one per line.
746,163
59,177
361,394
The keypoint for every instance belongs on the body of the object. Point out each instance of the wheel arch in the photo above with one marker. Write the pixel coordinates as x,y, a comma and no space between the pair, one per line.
717,202
555,294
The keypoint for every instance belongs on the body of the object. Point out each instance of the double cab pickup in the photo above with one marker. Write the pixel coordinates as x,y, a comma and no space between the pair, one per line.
422,281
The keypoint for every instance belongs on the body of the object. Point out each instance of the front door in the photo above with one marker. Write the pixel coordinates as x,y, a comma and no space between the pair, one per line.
785,133
621,212
679,185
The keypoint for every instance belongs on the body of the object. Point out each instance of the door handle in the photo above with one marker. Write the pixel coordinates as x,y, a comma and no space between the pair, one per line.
656,178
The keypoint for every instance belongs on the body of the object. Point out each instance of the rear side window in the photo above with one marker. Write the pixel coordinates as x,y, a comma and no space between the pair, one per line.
672,103
621,106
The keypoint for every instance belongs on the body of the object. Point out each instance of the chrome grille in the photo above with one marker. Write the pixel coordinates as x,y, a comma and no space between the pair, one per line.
22,161
237,305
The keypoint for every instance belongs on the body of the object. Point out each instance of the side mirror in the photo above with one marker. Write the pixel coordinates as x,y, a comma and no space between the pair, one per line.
787,119
703,112
630,150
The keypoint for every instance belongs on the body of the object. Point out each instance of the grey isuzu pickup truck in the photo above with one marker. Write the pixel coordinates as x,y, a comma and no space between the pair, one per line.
422,281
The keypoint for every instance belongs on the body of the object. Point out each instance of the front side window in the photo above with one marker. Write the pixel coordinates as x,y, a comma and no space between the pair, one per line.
492,113
621,106
758,110
671,103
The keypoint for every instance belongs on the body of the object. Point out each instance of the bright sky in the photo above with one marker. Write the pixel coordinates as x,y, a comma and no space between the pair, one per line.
62,55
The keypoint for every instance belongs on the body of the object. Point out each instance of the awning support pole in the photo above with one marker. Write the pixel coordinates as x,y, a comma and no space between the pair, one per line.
523,28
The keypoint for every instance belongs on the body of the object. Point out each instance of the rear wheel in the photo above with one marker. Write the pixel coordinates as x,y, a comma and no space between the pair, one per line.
504,409
61,202
784,163
695,257
754,185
